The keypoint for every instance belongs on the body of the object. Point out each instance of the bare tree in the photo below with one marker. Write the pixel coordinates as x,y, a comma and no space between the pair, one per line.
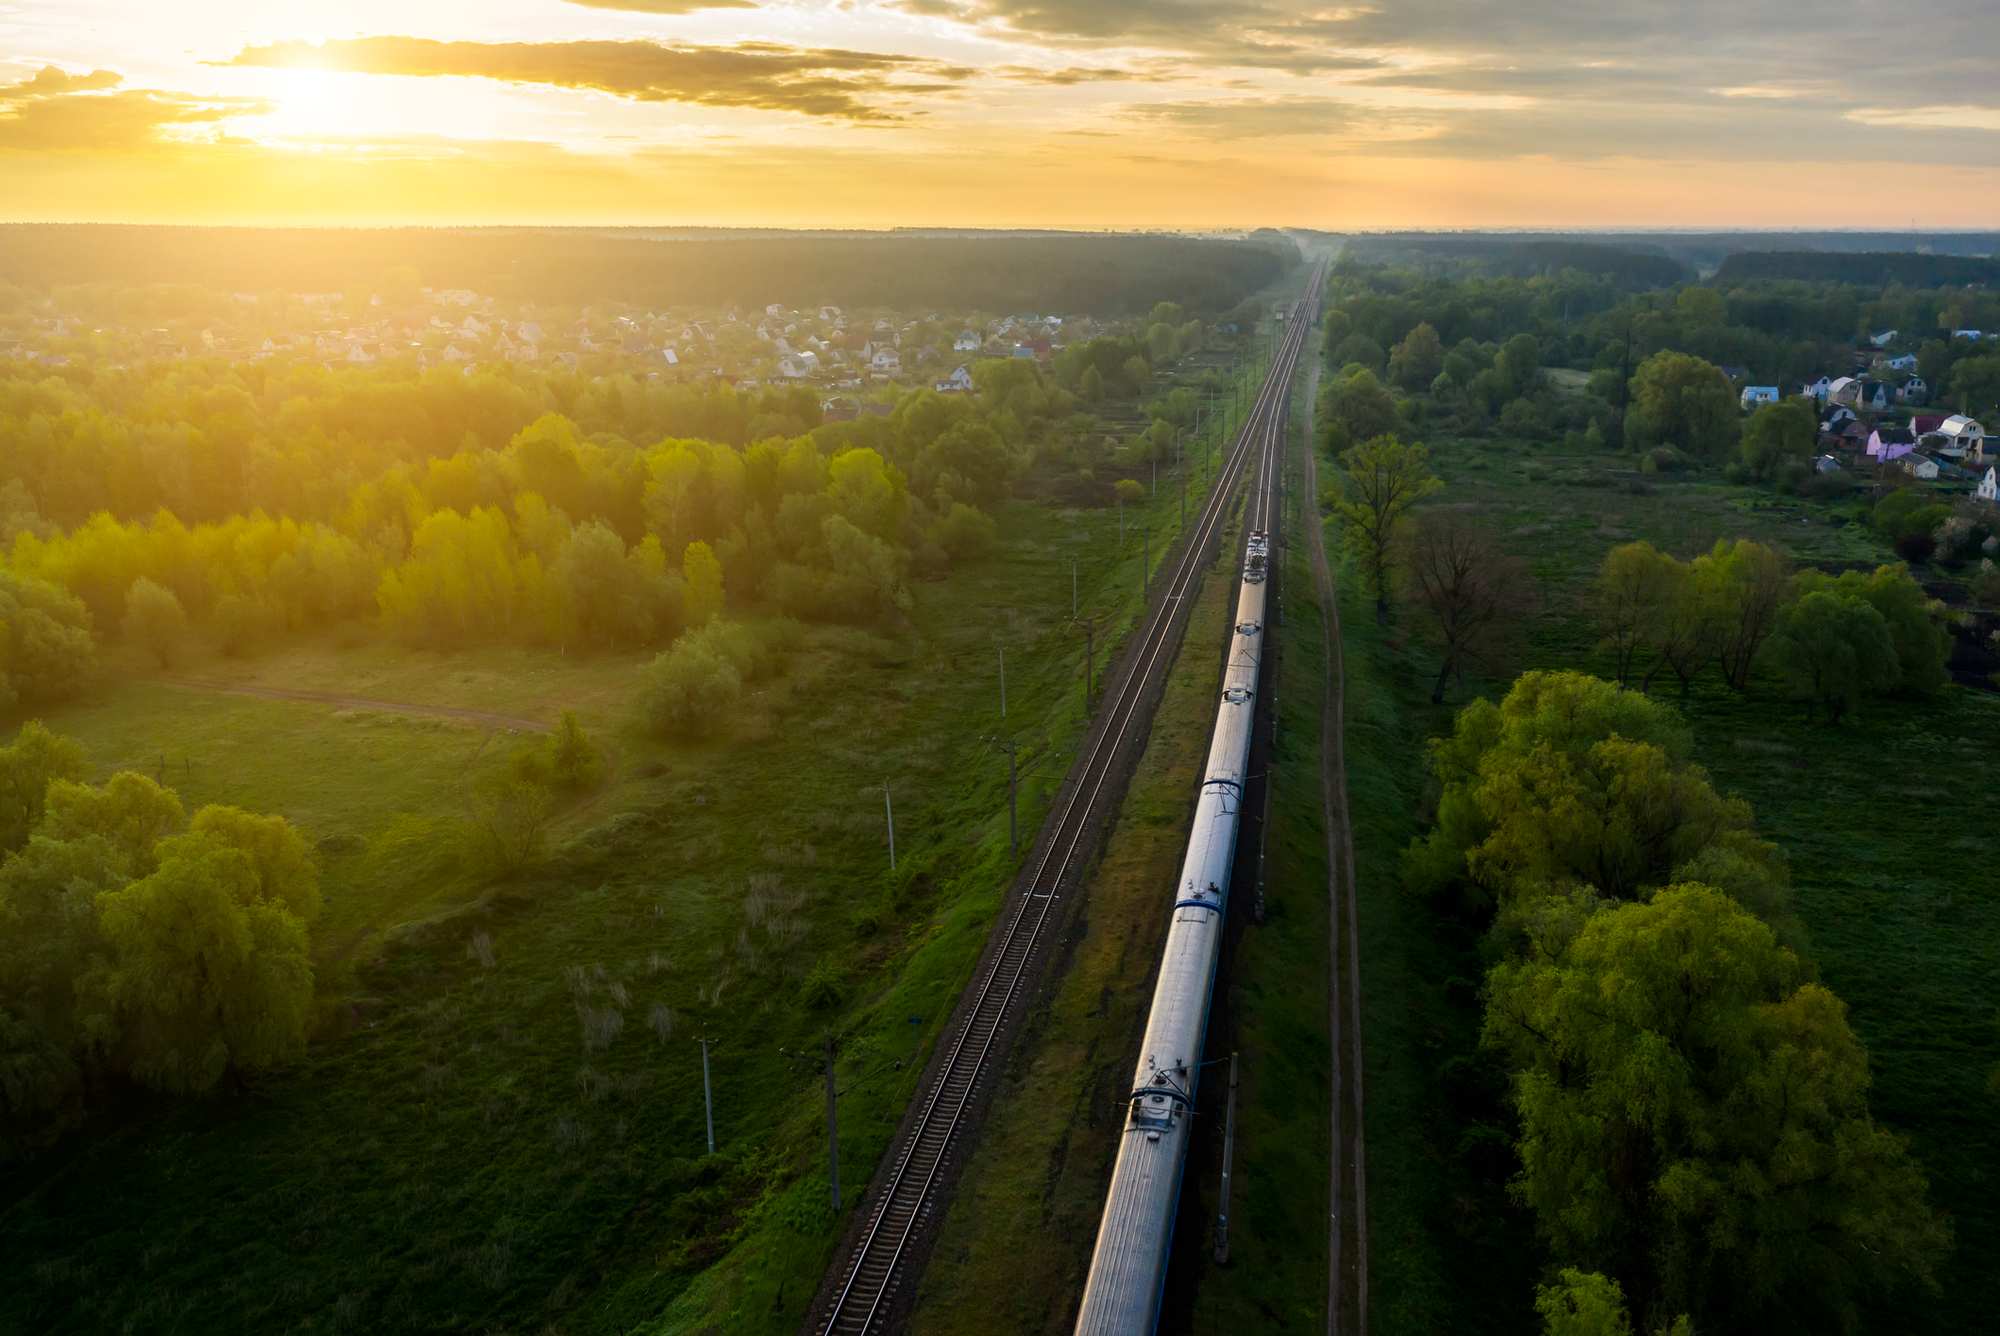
1475,592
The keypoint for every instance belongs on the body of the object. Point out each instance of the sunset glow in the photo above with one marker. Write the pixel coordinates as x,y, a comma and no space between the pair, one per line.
1007,112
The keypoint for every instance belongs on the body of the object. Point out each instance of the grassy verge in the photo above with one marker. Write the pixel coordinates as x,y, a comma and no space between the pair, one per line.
1016,1242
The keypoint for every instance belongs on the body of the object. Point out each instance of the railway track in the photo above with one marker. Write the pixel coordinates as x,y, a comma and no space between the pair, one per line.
904,1199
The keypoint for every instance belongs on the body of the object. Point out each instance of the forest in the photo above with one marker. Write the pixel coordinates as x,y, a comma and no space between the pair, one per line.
1111,276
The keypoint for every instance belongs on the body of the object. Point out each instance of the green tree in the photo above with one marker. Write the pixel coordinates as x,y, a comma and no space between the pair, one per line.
692,689
285,870
1694,1120
1923,645
1587,1303
154,621
1091,387
965,533
1418,359
1833,649
130,812
1519,364
701,576
1777,435
35,758
1358,349
203,976
1741,586
1382,479
45,647
1358,408
1680,400
1634,588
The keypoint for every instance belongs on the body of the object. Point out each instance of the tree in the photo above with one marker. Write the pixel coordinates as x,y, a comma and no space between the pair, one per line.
1358,408
967,534
1418,359
1381,480
1358,348
1635,586
1923,645
154,621
1833,649
1777,435
1680,400
285,871
203,975
701,575
35,758
1091,388
1587,1303
1474,590
130,812
1741,586
1519,363
1694,1120
45,646
692,689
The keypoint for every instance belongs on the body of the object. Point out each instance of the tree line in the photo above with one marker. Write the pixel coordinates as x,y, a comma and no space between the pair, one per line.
557,536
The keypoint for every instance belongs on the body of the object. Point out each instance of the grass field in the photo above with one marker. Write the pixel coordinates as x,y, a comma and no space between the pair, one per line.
1899,899
501,1126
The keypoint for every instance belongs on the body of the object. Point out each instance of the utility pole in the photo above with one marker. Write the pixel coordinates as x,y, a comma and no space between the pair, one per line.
1072,576
1145,560
1228,1155
1003,681
890,808
707,1095
832,1126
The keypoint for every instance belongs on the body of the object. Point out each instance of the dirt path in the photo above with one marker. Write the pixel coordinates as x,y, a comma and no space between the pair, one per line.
1347,1268
344,702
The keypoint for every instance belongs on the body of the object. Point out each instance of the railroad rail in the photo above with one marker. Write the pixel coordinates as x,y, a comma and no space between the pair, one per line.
871,1271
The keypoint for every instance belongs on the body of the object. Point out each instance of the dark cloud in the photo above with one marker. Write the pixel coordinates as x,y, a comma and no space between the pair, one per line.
107,122
50,81
833,83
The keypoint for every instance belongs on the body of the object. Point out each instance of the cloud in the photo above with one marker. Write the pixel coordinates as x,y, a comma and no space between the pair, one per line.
110,122
1954,117
49,81
663,6
1259,118
826,82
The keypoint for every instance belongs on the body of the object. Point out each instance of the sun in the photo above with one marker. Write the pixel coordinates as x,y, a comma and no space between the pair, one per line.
308,105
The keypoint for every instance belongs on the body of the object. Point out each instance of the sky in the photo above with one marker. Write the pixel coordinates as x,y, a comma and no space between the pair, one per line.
1003,113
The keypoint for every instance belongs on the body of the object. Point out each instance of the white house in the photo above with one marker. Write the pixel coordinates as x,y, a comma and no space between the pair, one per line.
1989,487
958,382
885,360
1962,437
1818,389
1884,339
1921,467
1973,334
1753,395
1907,362
966,342
1913,390
1843,390
793,367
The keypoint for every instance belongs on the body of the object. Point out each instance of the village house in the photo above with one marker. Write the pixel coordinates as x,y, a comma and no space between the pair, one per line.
885,361
1958,436
1756,395
958,382
966,342
1912,390
1989,487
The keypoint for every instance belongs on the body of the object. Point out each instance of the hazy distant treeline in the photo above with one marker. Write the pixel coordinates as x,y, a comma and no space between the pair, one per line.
1516,258
1869,267
1109,275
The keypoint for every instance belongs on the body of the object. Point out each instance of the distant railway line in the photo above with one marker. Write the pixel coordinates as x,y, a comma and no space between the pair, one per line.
884,1250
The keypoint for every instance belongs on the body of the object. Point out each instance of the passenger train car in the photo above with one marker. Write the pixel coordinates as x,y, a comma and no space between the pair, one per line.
1129,1268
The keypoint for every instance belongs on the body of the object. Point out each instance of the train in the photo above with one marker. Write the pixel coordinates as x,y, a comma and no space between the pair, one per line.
1128,1270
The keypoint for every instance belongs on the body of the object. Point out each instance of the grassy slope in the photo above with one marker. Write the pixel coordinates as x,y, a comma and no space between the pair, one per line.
1901,903
1017,1239
462,1159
